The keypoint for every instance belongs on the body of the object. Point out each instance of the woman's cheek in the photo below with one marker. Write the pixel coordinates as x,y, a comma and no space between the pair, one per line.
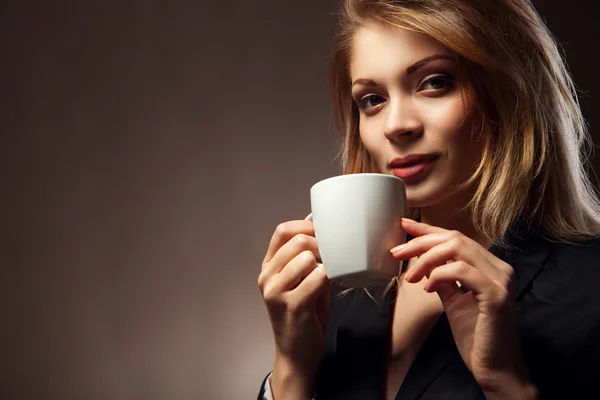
369,141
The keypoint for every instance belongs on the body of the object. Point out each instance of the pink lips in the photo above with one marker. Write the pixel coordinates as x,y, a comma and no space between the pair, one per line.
412,165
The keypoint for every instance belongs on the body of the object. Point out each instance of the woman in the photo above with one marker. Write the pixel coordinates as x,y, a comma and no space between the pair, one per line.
470,103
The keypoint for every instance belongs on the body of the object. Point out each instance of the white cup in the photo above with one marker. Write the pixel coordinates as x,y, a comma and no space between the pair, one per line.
357,221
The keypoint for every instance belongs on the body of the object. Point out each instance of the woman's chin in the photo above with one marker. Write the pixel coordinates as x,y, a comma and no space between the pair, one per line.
422,200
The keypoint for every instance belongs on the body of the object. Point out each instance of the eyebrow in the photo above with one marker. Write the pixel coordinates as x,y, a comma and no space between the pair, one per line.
411,69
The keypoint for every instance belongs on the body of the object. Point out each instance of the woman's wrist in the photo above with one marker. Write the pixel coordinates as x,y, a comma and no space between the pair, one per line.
509,386
290,381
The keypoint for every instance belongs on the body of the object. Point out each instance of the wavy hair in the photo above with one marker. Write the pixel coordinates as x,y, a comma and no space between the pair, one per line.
535,140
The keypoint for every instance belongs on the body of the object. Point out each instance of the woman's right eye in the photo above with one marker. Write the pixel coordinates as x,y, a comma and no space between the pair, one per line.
369,101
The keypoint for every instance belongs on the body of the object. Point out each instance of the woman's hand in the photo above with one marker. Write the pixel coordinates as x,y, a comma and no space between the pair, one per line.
296,293
481,312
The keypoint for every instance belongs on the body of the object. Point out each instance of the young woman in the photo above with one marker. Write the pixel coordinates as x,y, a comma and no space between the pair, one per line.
471,104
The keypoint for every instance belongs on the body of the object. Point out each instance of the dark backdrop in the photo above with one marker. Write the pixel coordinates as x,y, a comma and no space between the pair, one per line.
147,151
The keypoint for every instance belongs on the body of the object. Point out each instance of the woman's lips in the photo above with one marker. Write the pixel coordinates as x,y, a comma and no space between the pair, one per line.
412,166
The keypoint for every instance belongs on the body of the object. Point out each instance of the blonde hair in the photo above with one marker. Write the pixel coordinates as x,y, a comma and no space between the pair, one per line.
535,141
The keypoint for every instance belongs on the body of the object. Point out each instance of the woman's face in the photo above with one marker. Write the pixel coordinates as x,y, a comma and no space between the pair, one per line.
415,120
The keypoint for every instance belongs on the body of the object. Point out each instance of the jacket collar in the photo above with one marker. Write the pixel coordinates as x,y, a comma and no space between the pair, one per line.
526,251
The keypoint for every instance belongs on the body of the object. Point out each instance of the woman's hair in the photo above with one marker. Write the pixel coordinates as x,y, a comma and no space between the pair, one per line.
535,141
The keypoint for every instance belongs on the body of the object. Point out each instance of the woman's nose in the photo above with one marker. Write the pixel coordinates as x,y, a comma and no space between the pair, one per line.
402,120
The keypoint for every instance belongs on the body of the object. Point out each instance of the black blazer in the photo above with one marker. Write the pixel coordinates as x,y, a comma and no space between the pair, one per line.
558,311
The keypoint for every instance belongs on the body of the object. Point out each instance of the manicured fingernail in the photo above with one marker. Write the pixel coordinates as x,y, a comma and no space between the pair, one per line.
408,220
397,249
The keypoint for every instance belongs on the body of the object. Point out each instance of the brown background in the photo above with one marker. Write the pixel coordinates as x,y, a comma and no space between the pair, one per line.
148,149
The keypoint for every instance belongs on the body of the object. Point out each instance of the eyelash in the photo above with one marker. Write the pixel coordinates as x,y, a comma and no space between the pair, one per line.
449,81
447,78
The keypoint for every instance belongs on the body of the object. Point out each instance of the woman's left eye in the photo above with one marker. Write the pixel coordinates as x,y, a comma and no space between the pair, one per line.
437,82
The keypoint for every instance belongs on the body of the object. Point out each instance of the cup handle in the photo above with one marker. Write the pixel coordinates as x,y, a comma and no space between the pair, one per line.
309,218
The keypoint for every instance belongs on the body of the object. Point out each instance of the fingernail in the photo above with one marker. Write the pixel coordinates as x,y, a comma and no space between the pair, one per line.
408,220
397,249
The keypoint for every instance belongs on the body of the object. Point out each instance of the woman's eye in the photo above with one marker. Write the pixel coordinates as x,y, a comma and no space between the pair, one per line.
437,82
370,100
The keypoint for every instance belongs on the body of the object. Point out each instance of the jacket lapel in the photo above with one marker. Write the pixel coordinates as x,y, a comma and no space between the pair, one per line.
527,253
437,352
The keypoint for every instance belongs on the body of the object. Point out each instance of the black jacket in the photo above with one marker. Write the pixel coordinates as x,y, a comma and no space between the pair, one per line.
558,311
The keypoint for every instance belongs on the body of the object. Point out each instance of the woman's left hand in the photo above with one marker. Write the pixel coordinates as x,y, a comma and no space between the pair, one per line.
481,312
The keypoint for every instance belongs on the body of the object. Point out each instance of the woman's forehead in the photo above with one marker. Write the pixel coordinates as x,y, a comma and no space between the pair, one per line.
379,49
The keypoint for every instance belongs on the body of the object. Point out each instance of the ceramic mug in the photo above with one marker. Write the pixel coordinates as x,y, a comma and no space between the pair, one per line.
357,221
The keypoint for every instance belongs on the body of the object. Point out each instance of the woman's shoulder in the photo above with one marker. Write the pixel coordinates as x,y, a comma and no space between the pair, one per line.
559,318
552,261
580,259
569,282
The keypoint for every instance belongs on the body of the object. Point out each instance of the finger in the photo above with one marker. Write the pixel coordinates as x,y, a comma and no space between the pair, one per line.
416,229
419,245
296,270
277,285
420,229
467,275
471,251
448,293
455,249
313,286
284,232
286,253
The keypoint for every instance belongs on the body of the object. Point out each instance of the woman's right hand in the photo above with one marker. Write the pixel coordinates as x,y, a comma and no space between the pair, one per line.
297,295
